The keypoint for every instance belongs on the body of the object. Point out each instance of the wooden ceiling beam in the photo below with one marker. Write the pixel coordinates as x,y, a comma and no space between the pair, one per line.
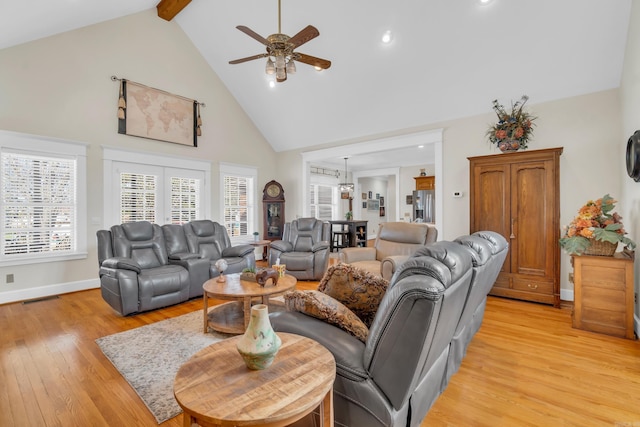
168,9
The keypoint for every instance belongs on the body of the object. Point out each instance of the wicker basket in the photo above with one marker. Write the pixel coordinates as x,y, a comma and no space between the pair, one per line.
600,248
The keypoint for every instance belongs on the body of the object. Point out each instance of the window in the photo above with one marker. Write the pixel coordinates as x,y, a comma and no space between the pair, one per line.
323,199
42,190
154,188
239,199
323,196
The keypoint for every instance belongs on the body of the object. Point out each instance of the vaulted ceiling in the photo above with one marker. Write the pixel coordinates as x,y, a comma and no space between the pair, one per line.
448,58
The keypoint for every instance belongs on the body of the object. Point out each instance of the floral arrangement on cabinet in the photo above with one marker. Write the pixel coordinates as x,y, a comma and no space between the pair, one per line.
595,222
513,129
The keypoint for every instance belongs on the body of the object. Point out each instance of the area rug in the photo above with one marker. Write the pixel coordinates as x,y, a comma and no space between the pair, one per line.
149,357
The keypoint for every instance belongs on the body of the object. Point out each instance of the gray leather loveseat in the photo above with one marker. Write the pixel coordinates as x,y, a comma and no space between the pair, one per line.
144,266
395,376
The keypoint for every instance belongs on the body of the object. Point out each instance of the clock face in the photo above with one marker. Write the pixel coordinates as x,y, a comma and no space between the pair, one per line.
273,190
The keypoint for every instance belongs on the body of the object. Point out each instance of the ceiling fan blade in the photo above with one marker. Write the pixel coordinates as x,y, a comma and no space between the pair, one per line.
249,58
312,60
308,33
248,31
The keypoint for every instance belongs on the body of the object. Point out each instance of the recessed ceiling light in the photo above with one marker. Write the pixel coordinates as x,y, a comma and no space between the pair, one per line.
420,146
485,1
272,84
387,37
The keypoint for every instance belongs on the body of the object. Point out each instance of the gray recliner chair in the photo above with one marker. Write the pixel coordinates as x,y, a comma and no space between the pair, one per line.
197,245
304,248
394,244
135,274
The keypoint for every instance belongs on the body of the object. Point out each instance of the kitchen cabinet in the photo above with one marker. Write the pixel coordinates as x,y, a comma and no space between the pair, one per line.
518,195
425,182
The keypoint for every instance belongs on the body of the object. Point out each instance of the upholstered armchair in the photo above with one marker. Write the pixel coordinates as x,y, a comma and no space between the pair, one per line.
304,248
197,245
135,274
395,242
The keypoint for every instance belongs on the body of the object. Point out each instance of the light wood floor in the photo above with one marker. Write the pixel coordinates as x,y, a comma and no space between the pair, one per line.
525,367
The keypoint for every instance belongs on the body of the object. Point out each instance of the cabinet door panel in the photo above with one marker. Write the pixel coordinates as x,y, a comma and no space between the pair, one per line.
491,201
532,215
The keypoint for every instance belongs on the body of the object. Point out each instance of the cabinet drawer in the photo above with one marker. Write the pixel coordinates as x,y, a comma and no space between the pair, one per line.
537,286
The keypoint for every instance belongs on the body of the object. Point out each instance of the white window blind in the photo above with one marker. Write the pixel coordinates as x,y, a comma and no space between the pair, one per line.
39,204
322,199
138,197
185,199
236,205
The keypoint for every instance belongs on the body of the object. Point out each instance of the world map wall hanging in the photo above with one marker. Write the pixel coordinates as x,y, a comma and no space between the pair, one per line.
152,113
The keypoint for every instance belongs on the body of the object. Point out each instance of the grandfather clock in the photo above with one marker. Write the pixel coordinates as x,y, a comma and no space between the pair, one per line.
273,211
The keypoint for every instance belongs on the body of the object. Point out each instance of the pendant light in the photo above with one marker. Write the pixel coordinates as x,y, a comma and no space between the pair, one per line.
346,186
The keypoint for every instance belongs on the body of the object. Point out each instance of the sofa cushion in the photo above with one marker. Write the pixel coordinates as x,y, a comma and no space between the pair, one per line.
323,307
358,289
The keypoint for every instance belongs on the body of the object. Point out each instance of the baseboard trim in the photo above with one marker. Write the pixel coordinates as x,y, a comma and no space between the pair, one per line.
566,294
48,290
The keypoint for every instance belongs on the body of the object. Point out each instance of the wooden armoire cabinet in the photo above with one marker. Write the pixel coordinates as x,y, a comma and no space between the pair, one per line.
518,195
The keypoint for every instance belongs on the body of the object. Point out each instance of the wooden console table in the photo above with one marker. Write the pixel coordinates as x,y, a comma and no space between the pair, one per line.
603,294
215,388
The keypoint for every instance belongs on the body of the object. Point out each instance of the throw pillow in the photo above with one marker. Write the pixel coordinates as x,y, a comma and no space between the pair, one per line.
323,307
357,289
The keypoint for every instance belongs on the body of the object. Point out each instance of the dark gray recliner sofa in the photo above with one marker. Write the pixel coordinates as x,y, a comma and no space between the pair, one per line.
145,266
394,378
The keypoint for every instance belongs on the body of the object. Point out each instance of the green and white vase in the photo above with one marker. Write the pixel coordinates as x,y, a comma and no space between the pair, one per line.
259,344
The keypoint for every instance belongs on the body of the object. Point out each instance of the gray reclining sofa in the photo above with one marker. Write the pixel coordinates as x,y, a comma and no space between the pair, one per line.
145,266
430,311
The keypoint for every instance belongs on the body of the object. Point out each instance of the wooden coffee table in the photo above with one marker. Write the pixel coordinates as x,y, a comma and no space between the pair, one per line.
233,317
215,388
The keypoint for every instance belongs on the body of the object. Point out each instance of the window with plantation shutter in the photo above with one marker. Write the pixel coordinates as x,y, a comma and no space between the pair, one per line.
238,200
138,195
323,201
185,199
157,192
42,194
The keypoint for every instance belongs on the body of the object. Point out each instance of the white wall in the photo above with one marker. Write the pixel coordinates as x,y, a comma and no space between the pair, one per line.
589,129
630,101
60,86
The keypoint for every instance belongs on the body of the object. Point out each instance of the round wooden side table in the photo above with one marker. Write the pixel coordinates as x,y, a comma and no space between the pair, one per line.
233,317
215,388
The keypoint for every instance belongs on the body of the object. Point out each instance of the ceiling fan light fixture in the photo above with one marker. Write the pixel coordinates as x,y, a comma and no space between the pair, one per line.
281,74
291,67
280,62
270,68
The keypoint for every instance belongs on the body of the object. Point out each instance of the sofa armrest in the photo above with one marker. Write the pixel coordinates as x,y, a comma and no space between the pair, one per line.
323,244
282,246
390,264
350,255
121,263
347,349
183,256
237,251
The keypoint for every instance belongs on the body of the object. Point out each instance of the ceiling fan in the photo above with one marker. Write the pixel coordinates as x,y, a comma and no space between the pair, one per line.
280,50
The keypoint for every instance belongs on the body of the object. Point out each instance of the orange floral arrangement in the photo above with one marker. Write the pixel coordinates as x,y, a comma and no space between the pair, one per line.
595,221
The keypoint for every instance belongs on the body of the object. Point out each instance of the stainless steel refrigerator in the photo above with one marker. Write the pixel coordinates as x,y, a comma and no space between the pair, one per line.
424,206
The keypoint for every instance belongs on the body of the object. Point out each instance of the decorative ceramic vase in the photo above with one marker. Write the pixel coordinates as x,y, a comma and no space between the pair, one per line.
509,145
259,344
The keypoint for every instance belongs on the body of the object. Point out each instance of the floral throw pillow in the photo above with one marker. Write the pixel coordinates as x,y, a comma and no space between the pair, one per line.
357,289
323,307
